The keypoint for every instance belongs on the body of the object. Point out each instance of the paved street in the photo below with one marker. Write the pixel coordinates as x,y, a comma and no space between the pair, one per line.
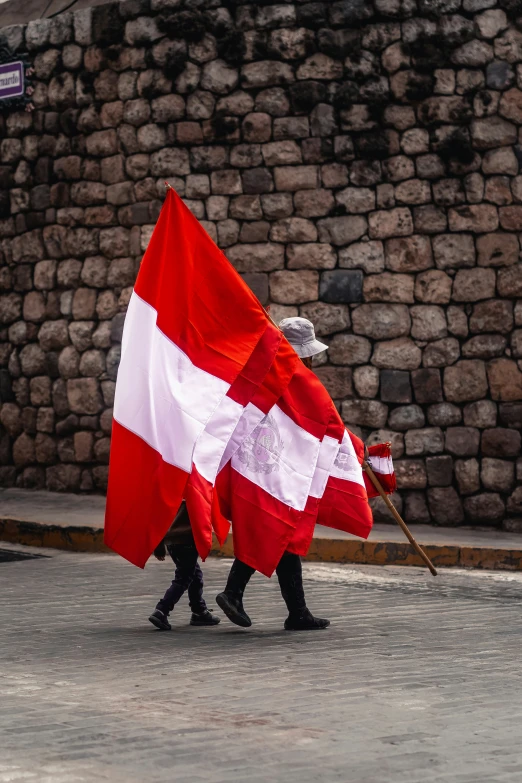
417,680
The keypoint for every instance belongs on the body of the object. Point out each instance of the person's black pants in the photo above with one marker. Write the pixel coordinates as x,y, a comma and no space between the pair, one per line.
289,574
188,577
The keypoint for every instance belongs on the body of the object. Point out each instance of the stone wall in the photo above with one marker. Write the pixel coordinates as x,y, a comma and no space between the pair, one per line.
359,164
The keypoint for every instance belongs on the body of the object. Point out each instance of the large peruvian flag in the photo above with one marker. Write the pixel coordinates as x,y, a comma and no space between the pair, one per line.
196,345
214,406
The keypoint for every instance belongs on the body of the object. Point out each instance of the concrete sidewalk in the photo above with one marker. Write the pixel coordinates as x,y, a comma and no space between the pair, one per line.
75,522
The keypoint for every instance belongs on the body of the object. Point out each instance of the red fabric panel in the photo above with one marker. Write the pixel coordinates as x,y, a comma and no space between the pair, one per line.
203,305
199,497
285,364
344,506
262,526
307,402
257,366
143,496
304,532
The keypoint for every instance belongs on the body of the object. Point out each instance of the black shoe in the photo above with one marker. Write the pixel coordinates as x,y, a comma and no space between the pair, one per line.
233,608
305,622
159,619
204,618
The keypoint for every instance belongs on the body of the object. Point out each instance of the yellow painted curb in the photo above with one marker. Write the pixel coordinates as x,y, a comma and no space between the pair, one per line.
74,539
322,550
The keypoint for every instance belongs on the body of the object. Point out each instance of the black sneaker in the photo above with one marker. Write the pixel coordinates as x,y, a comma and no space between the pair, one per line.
204,618
233,608
159,619
305,622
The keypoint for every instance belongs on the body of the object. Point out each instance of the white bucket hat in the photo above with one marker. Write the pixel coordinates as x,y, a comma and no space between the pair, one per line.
300,333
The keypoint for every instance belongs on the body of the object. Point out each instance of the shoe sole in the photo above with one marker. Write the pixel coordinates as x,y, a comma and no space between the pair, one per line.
159,625
231,612
207,625
311,628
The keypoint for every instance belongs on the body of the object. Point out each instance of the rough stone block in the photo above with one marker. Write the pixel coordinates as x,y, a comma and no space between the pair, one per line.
484,346
445,506
496,315
327,318
481,414
433,286
381,321
395,386
257,181
485,509
510,414
313,203
497,475
337,380
462,441
366,381
500,442
514,505
439,471
365,413
384,224
266,73
349,349
292,178
410,474
294,287
293,229
406,418
388,287
368,256
415,508
509,281
465,381
277,205
492,132
310,256
409,254
399,354
342,230
505,380
452,251
424,441
427,386
227,182
342,286
241,207
257,257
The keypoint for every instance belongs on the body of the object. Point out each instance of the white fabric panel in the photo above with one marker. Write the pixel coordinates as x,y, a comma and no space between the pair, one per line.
213,440
160,395
250,418
327,453
280,457
346,465
381,464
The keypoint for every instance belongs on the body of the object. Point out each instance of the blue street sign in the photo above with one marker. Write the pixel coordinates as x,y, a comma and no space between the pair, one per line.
11,80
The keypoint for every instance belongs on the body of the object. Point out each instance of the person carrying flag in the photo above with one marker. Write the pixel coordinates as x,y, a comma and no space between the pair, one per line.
300,333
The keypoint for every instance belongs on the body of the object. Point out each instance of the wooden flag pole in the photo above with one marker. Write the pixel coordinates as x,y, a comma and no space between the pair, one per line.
377,484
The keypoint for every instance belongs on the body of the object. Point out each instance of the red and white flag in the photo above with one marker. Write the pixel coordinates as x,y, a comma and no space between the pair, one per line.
211,395
188,363
380,461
